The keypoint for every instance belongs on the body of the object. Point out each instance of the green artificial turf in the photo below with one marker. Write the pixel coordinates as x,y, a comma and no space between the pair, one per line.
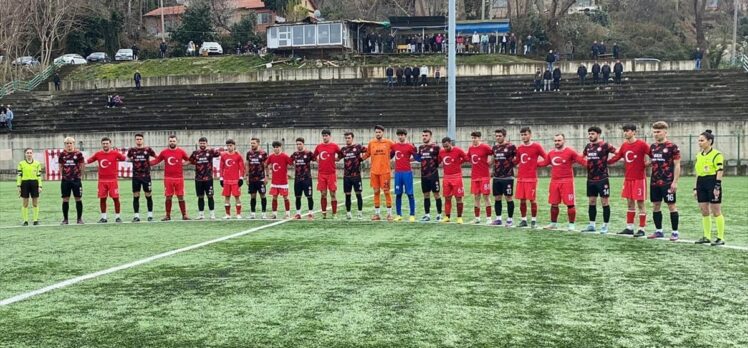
358,283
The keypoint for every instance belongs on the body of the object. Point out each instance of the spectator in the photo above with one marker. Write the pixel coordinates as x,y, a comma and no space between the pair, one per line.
9,117
416,73
512,44
595,50
475,42
504,42
547,79
596,73
437,75
616,51
113,101
419,44
439,40
603,49
390,72
424,75
408,76
57,81
399,74
162,48
582,73
238,48
528,45
606,72
460,44
135,51
191,49
137,77
484,43
3,118
618,70
557,79
698,55
538,81
550,58
492,43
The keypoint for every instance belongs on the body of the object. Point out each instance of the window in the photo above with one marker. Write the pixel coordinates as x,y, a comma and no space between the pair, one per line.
273,33
323,34
310,35
298,35
284,36
264,18
335,33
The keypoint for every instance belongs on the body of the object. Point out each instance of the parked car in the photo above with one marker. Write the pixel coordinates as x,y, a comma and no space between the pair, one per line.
211,48
25,60
72,58
98,57
124,54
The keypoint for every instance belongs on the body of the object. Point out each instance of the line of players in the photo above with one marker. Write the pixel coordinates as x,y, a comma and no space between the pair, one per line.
503,156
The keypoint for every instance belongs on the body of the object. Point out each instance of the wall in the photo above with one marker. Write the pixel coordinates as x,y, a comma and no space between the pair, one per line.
732,138
329,73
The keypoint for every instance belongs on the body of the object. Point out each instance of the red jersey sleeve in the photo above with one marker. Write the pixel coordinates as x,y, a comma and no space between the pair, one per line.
93,158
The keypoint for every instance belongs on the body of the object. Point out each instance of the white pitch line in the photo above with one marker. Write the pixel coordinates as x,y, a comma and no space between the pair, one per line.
72,281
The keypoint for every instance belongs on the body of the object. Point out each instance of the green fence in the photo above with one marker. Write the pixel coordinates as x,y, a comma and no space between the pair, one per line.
30,85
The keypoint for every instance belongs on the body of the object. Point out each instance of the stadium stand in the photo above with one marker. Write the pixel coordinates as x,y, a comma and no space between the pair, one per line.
676,96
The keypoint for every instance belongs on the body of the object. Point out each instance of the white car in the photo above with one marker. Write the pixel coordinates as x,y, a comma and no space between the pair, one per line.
211,48
124,54
75,59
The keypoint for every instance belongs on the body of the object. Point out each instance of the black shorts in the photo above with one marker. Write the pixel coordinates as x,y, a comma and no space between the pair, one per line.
503,187
29,188
73,186
599,188
352,183
661,193
255,187
430,184
204,188
302,186
144,184
705,190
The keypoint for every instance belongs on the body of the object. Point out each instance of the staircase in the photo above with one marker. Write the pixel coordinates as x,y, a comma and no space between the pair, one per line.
673,96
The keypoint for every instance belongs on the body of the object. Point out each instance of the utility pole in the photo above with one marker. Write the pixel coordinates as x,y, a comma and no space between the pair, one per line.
483,10
452,71
163,32
735,33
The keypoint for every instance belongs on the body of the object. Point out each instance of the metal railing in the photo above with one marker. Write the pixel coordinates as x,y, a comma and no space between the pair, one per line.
26,86
744,61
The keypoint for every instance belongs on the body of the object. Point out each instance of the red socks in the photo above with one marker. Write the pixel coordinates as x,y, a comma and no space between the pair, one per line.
488,212
167,203
523,208
554,213
287,204
102,205
275,204
238,209
227,207
323,203
116,205
642,220
334,207
534,209
448,206
630,217
459,209
183,208
476,211
572,212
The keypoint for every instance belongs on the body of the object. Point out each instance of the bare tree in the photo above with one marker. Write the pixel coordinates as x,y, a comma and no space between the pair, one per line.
557,10
52,21
15,35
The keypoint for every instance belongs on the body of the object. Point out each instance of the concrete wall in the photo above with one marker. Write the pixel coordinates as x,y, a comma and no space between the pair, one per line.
732,138
328,73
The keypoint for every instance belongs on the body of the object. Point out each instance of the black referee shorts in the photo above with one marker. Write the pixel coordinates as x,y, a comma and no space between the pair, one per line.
71,186
352,183
141,184
204,188
705,190
430,184
661,193
598,188
303,186
29,189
